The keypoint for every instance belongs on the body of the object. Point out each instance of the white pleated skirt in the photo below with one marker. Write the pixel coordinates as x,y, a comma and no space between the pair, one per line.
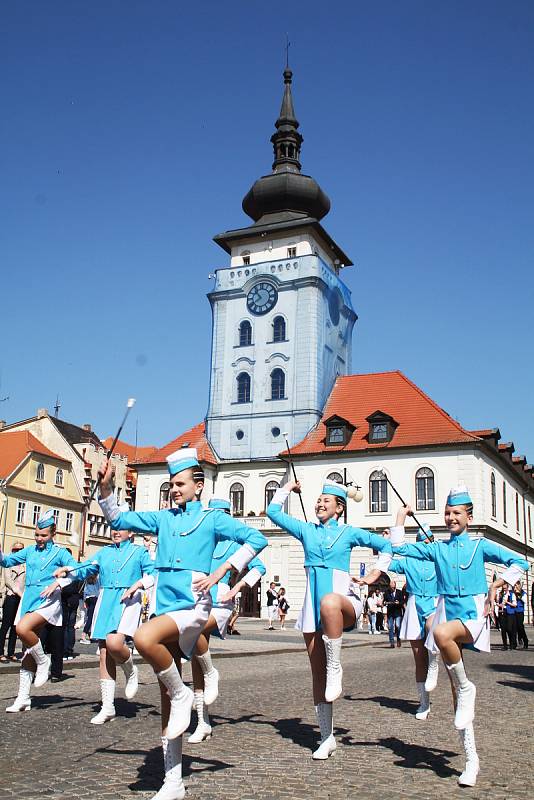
413,621
189,621
50,609
471,615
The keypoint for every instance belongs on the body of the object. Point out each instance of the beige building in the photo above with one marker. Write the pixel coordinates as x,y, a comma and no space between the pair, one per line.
82,448
33,478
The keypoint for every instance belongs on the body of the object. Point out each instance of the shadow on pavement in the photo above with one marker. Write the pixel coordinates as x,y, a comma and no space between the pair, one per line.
413,756
150,773
397,703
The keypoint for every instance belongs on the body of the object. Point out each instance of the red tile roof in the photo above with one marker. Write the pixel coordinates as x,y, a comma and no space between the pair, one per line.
194,437
132,453
15,446
355,397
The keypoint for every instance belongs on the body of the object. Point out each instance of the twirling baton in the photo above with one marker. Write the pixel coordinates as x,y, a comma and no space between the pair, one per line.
427,533
129,406
285,435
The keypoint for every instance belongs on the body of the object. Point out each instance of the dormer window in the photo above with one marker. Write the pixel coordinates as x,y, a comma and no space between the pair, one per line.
245,255
338,431
381,428
291,252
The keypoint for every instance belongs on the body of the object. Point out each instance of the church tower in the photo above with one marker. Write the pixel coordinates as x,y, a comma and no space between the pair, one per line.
282,317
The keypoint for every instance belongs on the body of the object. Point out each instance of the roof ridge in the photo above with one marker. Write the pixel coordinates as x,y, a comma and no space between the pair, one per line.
435,405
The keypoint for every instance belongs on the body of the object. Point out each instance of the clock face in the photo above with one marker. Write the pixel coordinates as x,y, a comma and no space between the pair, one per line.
261,298
334,305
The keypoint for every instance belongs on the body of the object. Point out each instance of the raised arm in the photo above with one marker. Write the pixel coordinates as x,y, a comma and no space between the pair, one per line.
141,522
295,527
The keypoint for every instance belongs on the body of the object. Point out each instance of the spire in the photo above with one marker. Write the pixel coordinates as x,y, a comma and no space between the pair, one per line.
287,140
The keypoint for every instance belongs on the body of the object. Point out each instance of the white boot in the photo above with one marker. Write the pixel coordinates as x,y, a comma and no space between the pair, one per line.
107,712
211,678
43,663
334,671
203,729
22,701
432,672
472,766
181,701
173,787
327,744
424,702
465,695
131,674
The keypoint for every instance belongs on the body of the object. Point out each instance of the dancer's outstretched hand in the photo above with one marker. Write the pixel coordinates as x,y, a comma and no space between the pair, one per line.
293,486
61,572
227,598
128,593
50,589
204,584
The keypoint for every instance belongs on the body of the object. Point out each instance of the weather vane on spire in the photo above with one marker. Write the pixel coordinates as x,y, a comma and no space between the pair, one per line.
287,50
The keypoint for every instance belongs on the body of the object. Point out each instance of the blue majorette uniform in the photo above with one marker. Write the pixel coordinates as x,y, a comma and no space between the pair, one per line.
40,567
422,590
461,575
327,550
118,566
187,538
222,611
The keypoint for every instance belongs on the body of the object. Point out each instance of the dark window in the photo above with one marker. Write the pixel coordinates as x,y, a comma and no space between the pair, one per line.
279,329
334,476
245,333
275,431
165,495
239,434
237,499
493,496
40,472
246,261
270,490
59,477
504,502
278,384
529,525
335,435
378,493
291,252
379,431
424,490
243,388
517,511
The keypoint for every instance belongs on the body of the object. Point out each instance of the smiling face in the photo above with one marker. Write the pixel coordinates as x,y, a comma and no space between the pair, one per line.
328,506
44,535
119,536
457,518
184,488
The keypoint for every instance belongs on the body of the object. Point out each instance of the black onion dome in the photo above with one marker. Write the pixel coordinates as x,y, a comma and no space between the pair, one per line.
286,192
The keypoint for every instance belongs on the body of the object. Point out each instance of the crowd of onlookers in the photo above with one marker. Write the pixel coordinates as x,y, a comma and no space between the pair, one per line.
383,611
509,615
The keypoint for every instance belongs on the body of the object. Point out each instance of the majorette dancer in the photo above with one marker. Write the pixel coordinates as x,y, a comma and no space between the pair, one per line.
205,676
181,603
39,604
330,604
464,604
117,613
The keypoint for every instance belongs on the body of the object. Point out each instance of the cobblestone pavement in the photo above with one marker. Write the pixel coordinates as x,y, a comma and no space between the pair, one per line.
265,729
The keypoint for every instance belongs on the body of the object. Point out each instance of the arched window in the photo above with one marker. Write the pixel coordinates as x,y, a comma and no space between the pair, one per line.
279,329
378,492
278,384
40,472
243,388
335,476
504,502
270,490
493,496
59,477
165,495
245,333
237,499
424,490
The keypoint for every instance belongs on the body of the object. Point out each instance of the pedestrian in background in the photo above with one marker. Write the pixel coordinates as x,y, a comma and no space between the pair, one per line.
394,604
272,604
521,599
90,595
283,607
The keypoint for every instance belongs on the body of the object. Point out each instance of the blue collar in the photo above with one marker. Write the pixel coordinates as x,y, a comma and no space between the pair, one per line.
122,544
332,523
459,537
48,546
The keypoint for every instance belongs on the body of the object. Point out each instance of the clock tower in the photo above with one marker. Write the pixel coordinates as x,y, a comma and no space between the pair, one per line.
282,316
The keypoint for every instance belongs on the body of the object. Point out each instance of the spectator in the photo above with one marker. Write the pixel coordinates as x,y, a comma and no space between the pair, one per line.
521,599
380,611
70,600
283,607
90,595
272,604
508,621
14,580
394,603
372,607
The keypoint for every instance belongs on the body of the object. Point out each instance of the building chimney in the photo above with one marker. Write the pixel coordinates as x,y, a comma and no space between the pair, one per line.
41,412
87,427
2,424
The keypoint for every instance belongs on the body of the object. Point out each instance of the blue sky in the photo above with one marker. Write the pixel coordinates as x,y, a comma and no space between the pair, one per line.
131,131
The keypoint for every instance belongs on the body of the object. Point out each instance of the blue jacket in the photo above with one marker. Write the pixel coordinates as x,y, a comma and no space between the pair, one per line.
40,568
460,562
222,553
327,545
118,566
420,576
